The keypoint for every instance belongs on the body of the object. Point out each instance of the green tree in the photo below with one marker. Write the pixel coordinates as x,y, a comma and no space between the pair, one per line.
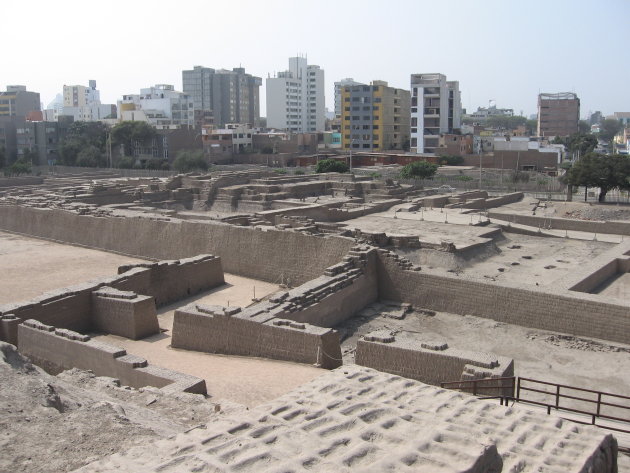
190,160
584,127
331,165
418,170
532,127
605,172
126,133
91,156
30,156
609,128
85,140
582,143
126,162
506,122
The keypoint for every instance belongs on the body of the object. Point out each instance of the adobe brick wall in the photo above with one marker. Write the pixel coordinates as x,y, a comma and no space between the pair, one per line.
493,202
56,350
229,331
77,308
170,281
429,361
272,255
569,312
68,308
615,227
122,313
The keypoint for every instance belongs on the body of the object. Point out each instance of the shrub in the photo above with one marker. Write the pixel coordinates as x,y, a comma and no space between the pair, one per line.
19,167
451,160
419,170
331,165
464,178
188,161
126,162
299,172
280,171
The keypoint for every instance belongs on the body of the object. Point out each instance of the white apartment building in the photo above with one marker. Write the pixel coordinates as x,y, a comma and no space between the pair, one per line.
84,103
295,98
436,108
161,106
338,88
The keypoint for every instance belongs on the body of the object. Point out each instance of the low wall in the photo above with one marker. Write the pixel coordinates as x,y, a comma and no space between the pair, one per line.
493,202
56,350
87,307
575,313
124,313
429,361
331,299
229,331
614,227
274,255
171,281
68,308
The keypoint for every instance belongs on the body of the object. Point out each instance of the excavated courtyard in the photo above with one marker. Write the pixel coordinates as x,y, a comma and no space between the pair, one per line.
396,260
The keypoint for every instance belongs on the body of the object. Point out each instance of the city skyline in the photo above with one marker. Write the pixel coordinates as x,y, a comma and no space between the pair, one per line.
507,55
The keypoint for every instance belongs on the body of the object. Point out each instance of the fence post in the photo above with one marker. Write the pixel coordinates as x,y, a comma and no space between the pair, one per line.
518,389
557,396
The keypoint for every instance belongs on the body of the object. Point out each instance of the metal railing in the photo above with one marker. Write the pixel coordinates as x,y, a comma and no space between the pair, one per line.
556,396
599,401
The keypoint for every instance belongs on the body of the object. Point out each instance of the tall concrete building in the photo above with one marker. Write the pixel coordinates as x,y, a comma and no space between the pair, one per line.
18,102
296,98
375,117
232,96
558,114
436,108
162,106
338,88
84,103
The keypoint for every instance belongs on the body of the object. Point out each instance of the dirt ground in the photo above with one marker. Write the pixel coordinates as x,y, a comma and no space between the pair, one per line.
539,354
527,260
31,266
248,381
244,380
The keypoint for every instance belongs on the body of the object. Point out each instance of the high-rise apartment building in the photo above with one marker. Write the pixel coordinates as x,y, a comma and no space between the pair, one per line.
436,108
375,117
558,114
295,98
84,103
338,88
18,102
161,106
232,96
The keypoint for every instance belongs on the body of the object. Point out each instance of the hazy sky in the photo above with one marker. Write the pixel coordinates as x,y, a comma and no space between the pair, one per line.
502,50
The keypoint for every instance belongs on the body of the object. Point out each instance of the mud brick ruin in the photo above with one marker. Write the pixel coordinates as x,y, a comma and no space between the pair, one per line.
336,245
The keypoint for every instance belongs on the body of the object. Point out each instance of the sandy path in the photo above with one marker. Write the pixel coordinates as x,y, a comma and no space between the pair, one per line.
247,381
29,267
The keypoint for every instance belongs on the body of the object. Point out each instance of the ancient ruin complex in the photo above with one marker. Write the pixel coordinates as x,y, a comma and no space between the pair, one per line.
359,267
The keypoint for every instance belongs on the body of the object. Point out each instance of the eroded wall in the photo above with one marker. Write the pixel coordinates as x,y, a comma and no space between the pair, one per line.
56,350
234,332
273,256
575,313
